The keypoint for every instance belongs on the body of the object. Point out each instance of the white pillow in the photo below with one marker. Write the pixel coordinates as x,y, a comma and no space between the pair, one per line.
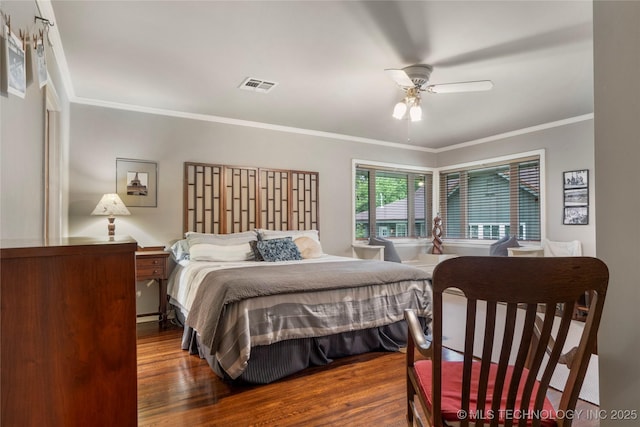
209,252
220,239
179,250
294,234
553,249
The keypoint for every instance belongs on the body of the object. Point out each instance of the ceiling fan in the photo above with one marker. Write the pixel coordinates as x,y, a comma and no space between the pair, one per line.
415,78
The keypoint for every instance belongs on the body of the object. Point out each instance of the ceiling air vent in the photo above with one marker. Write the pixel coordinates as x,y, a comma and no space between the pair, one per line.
257,85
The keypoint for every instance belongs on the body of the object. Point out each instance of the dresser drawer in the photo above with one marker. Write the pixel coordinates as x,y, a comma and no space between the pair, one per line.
151,268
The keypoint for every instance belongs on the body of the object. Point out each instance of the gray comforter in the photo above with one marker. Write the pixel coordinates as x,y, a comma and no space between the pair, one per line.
384,290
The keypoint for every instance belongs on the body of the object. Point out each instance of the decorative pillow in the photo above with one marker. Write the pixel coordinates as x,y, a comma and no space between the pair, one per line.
390,253
278,250
501,249
209,252
572,248
494,247
180,250
221,239
308,247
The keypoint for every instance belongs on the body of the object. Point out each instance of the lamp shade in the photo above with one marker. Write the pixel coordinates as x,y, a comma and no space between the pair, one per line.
111,205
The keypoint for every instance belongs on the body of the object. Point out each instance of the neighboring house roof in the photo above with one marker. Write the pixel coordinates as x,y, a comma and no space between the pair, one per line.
396,211
528,182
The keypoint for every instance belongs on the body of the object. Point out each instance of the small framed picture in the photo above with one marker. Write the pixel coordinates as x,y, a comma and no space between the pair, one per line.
16,65
576,215
137,182
576,197
576,179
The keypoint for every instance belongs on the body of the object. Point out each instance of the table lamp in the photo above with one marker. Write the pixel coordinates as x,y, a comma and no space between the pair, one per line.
111,205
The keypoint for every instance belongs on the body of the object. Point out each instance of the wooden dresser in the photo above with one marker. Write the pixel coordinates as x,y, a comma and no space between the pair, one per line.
68,332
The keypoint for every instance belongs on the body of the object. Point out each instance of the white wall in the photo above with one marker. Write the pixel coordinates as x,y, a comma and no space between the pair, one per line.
100,135
21,149
22,130
617,151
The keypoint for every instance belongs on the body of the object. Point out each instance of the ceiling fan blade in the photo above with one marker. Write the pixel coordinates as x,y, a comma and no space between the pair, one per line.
477,86
400,77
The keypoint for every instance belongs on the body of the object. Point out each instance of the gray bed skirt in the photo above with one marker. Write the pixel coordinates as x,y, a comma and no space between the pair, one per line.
269,363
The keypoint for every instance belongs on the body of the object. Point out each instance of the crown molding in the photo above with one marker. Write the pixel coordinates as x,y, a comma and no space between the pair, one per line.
510,134
247,123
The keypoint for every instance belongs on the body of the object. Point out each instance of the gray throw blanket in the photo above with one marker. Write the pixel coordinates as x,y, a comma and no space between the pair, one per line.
222,287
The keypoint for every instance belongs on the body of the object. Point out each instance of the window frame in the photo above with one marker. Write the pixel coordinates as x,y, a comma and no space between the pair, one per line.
358,163
493,162
435,183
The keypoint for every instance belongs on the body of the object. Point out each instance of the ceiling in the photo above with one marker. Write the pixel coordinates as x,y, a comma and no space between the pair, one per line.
329,57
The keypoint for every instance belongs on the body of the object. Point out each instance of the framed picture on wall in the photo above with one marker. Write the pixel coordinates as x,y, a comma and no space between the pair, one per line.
576,197
137,182
576,179
576,215
16,65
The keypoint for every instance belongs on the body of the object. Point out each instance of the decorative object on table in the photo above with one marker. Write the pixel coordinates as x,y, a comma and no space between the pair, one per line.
111,205
576,197
437,236
137,182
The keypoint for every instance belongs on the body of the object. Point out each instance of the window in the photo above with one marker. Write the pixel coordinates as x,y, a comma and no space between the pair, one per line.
392,202
491,201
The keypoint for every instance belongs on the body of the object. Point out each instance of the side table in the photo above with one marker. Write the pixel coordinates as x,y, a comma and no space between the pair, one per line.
154,265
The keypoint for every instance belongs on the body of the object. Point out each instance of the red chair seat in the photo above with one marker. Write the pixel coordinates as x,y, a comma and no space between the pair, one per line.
452,386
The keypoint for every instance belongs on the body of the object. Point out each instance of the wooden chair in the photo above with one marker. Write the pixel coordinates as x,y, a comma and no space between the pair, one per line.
529,295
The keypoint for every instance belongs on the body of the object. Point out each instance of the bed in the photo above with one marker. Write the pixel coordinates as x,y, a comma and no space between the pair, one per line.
257,322
259,303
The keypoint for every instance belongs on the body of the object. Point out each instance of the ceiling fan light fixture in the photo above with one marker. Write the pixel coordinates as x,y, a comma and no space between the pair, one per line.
415,112
413,80
399,110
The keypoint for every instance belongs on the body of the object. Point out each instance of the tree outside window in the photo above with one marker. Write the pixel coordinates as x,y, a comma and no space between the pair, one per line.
392,203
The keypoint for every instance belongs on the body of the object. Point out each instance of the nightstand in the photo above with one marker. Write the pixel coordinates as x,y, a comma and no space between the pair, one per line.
154,265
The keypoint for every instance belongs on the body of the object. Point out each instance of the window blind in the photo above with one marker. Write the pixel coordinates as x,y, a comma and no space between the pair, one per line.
489,202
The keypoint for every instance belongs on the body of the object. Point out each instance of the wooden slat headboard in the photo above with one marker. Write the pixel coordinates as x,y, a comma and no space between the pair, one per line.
224,199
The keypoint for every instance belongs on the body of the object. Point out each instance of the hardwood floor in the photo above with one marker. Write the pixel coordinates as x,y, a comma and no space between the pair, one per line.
177,389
